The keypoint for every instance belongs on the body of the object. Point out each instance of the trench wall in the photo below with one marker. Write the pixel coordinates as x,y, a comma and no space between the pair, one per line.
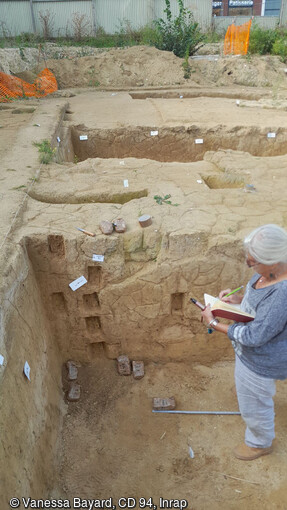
31,411
137,302
183,144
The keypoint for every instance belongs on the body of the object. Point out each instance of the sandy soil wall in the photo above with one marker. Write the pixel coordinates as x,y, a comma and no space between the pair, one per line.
180,143
137,302
31,411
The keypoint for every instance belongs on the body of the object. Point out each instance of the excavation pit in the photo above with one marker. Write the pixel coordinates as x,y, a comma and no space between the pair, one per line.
136,302
182,144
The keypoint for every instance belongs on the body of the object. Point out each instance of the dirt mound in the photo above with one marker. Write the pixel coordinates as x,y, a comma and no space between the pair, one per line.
142,66
132,67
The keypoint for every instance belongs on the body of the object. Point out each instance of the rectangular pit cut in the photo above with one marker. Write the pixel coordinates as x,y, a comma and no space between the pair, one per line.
47,324
180,143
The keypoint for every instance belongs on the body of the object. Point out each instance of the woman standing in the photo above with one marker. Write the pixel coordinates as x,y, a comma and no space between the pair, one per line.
260,345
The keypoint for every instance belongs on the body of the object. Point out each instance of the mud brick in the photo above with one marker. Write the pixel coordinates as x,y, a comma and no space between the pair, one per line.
120,225
106,227
145,220
74,392
124,365
163,404
138,369
72,371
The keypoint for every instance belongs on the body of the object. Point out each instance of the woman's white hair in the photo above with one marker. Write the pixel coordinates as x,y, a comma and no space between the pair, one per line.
267,244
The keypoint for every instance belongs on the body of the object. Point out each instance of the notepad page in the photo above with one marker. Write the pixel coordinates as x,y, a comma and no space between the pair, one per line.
211,300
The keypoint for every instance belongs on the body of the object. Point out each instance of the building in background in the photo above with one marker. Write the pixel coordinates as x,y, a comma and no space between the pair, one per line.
246,7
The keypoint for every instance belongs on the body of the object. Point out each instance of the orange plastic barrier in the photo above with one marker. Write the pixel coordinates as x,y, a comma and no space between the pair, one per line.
236,40
12,87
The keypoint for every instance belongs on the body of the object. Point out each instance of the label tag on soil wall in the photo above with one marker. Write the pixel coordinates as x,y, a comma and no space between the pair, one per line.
1,359
199,140
27,370
126,183
154,133
83,137
271,135
98,258
76,284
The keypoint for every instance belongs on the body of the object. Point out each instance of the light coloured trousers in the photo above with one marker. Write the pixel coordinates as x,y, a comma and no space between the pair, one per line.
255,398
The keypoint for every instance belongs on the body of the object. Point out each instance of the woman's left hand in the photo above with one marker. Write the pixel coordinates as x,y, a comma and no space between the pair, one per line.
207,315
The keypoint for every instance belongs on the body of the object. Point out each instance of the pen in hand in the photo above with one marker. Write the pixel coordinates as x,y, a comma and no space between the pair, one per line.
197,303
233,291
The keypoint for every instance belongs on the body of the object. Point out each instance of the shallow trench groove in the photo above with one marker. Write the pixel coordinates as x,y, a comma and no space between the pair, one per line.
188,94
52,197
182,144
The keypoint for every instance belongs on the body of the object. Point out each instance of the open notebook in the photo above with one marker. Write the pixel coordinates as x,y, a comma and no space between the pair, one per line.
226,310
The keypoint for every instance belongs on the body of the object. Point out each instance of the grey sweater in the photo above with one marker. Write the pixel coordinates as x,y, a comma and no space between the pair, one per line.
262,343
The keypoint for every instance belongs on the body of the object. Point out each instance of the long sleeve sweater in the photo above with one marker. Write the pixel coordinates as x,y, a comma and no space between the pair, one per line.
261,344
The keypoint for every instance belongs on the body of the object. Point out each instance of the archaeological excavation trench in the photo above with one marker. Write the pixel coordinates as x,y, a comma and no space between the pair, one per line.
183,144
136,301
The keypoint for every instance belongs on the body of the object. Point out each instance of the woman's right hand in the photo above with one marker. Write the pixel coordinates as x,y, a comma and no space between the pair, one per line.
233,299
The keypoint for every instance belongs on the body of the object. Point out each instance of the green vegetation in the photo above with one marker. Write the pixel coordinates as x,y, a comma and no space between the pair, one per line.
180,34
271,41
261,41
177,33
164,200
46,153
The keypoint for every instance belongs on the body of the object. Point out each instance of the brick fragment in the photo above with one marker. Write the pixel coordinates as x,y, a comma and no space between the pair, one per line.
74,392
138,369
120,225
145,220
72,371
106,227
163,404
124,365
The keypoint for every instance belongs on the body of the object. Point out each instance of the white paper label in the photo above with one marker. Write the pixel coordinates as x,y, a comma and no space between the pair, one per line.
199,181
98,258
271,135
199,140
122,163
154,133
58,139
191,453
83,137
1,359
27,370
76,284
126,183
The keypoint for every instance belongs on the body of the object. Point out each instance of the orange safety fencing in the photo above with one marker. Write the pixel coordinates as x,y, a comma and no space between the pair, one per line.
12,87
236,40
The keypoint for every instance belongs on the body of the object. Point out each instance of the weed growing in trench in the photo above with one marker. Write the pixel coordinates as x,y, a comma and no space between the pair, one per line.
46,153
164,200
19,188
186,67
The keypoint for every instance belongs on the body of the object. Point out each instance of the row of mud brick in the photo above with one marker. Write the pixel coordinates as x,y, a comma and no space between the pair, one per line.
74,391
125,367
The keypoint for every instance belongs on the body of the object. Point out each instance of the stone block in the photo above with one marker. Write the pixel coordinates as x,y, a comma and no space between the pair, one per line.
124,365
120,225
163,404
138,369
74,392
72,371
106,227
